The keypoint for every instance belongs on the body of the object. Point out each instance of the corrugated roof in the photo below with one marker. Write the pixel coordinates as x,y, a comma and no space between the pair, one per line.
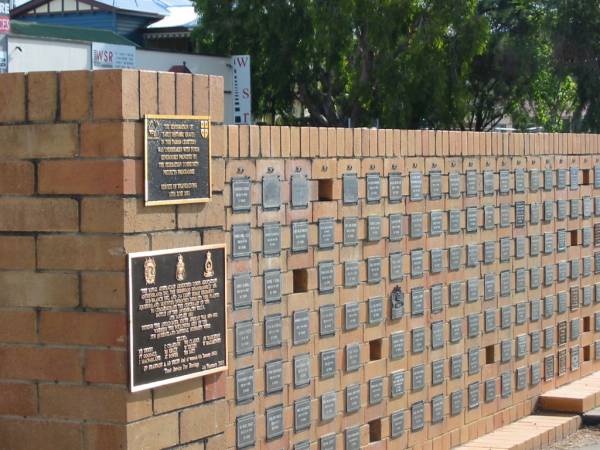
32,29
179,16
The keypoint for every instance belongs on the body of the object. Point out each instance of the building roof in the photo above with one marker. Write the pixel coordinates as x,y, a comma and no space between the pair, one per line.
179,17
154,8
39,30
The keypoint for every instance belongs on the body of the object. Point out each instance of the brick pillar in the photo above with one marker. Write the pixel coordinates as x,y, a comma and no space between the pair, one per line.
71,208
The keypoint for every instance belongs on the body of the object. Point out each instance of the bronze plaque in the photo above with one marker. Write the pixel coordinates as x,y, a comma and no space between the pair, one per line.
177,159
177,315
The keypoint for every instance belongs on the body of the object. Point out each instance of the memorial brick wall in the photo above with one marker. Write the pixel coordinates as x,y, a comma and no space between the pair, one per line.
386,288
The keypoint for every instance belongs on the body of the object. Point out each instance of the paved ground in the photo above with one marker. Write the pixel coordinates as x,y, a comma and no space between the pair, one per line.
586,438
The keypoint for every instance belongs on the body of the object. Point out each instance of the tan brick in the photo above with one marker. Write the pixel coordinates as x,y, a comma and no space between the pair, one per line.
202,215
18,399
83,328
27,434
90,177
40,363
42,93
17,252
154,433
58,140
116,94
18,326
39,214
82,402
111,139
183,93
75,93
148,92
17,177
166,93
233,142
218,140
203,421
24,288
99,436
12,96
105,366
201,100
216,442
103,289
81,252
216,98
175,239
214,386
177,396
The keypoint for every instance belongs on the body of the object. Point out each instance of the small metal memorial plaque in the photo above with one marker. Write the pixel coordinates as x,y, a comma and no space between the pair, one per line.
521,313
397,384
328,406
561,209
456,402
416,263
245,430
574,178
472,255
489,213
561,179
548,210
534,180
397,303
561,299
489,252
575,359
473,360
454,221
416,186
575,329
300,236
490,390
574,208
436,293
416,226
397,345
562,332
328,442
454,254
244,384
272,285
473,395
418,340
327,320
396,228
520,279
455,293
488,182
301,327
302,370
435,185
373,188
328,363
302,414
352,438
397,424
489,286
504,187
535,341
548,181
519,214
274,422
456,362
352,398
273,376
160,281
519,181
242,290
271,192
375,391
396,266
437,334
417,414
521,346
548,367
177,159
273,331
374,270
436,223
350,187
437,372
326,277
299,191
535,373
352,357
506,384
394,187
326,233
473,325
435,260
373,228
241,197
471,183
454,185
350,231
375,307
489,316
437,408
472,219
521,378
456,330
351,316
505,351
242,246
534,213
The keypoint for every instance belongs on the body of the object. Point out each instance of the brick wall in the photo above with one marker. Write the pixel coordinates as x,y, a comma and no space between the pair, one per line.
71,208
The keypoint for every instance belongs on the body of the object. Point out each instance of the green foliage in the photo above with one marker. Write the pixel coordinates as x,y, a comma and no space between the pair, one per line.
414,63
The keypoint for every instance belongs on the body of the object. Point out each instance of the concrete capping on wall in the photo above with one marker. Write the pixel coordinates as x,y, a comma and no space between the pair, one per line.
71,208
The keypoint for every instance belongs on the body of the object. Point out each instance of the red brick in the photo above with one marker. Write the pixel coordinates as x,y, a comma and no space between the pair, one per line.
82,402
28,434
183,93
111,139
217,93
16,177
83,328
90,177
12,97
148,92
39,363
81,252
17,326
42,90
106,366
57,140
75,93
27,288
18,399
99,436
103,290
17,252
214,386
39,214
116,94
166,93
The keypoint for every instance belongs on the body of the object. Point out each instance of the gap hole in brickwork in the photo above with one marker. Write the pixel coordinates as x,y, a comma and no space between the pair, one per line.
586,177
375,349
375,430
573,237
490,354
300,280
325,190
587,354
587,321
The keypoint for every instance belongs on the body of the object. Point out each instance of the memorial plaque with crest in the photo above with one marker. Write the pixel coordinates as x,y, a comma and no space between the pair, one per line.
456,402
241,197
272,285
274,422
375,391
375,310
299,191
273,376
326,233
397,384
373,228
302,370
327,320
396,230
245,430
417,415
352,438
241,245
351,316
302,414
326,271
454,185
242,290
271,192
394,187
416,186
374,270
352,398
177,158
397,303
301,327
350,225
300,236
350,188
437,372
273,330
328,363
397,345
456,366
373,188
352,357
418,340
244,385
396,266
328,407
489,388
435,185
397,424
158,282
473,394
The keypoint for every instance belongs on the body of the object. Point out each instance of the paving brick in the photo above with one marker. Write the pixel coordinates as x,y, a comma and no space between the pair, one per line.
103,290
17,252
17,177
42,95
123,100
18,326
154,433
58,140
40,363
42,434
81,252
83,328
105,366
39,214
26,288
12,94
177,396
18,399
75,94
203,421
98,436
110,139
